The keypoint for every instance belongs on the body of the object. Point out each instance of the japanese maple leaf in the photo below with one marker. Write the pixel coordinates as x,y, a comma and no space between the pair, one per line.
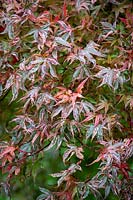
124,168
67,96
7,154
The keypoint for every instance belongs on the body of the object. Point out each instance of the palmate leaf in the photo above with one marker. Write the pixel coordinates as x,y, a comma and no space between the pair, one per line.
40,35
88,52
40,65
82,72
94,131
25,123
108,29
107,26
8,150
107,76
66,173
91,186
15,83
111,153
63,42
128,101
75,108
66,31
103,105
68,99
32,95
87,106
81,86
84,4
56,141
91,48
111,77
47,195
71,151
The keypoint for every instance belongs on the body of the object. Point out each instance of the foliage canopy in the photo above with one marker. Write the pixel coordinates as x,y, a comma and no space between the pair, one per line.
66,79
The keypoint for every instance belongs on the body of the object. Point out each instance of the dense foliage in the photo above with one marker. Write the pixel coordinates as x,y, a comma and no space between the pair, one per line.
66,81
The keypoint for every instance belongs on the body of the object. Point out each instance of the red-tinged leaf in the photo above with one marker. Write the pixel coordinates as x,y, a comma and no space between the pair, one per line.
35,137
79,152
5,159
57,18
9,158
14,59
69,196
61,88
40,19
81,85
97,119
9,149
31,17
125,21
53,61
2,29
9,167
65,27
100,157
67,155
89,117
73,99
124,168
93,1
65,10
43,17
125,173
17,171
